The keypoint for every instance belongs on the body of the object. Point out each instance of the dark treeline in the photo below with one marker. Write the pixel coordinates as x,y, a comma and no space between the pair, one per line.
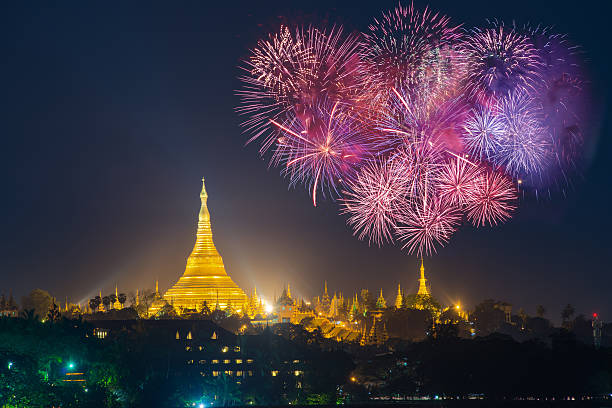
144,366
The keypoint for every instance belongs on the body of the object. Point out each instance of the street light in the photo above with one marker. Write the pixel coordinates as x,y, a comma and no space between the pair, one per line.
71,365
10,365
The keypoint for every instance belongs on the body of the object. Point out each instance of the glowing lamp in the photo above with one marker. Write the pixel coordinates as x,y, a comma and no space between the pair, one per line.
269,308
594,314
10,364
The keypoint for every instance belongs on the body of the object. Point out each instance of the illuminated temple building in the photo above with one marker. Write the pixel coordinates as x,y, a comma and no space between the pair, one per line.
205,278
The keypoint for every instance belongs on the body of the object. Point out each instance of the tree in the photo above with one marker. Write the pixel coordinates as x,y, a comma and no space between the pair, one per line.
566,315
540,311
53,314
122,298
205,310
113,298
106,301
39,300
94,303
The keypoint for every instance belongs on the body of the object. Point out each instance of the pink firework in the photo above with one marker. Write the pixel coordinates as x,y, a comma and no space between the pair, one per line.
297,72
493,199
376,198
407,46
457,181
427,223
321,147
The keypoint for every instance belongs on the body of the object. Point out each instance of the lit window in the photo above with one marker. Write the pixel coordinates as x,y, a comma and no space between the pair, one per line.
101,333
189,361
202,373
274,373
215,373
224,349
239,373
229,372
238,361
202,361
177,335
250,360
188,348
189,336
200,348
296,361
250,373
236,349
226,361
298,372
215,361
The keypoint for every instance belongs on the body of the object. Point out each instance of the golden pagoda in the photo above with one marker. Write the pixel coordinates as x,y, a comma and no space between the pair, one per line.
423,289
205,278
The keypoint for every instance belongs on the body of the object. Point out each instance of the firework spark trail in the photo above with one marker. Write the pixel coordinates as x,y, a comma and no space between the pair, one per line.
416,124
321,148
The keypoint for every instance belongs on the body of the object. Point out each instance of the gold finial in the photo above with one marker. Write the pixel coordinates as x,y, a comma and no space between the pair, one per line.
157,287
288,290
326,287
422,269
203,192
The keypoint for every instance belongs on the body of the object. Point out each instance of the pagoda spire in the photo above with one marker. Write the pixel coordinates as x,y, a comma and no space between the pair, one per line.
204,259
423,290
288,290
399,299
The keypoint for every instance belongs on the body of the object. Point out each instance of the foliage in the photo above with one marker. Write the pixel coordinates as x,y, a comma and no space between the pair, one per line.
39,300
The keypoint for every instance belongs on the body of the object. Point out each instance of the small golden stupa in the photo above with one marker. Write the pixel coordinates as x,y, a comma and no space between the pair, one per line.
205,278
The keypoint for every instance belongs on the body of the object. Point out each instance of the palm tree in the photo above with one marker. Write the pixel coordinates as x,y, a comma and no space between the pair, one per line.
94,303
113,299
540,311
122,298
106,301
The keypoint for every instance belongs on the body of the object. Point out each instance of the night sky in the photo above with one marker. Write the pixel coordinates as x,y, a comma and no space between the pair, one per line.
113,112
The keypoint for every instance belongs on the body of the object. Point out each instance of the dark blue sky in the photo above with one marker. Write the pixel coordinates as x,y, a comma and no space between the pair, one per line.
113,112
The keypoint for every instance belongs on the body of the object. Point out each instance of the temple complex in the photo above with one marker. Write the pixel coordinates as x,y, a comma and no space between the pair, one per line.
205,278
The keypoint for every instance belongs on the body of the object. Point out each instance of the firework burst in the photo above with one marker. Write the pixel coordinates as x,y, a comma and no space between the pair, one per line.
457,181
492,199
376,199
321,147
427,223
407,46
500,60
482,132
416,126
